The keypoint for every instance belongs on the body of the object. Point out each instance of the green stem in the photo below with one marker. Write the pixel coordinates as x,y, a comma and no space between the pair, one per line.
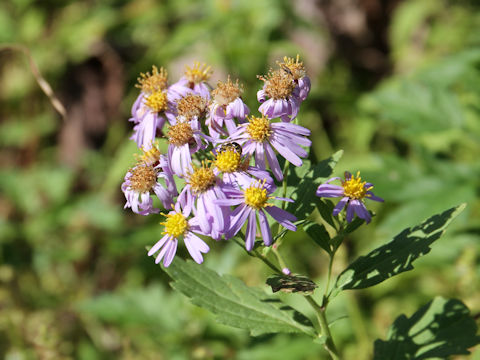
267,262
279,257
284,185
336,241
256,254
329,275
322,319
276,227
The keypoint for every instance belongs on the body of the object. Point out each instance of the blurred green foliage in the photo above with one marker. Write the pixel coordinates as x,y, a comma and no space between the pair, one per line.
75,281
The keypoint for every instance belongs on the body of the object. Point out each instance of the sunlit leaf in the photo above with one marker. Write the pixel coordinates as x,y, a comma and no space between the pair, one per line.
398,255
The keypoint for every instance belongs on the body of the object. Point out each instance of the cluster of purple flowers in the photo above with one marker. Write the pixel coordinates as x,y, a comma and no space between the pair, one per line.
219,153
215,176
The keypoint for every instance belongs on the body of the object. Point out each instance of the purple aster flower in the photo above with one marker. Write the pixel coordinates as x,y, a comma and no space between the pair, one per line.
202,188
194,79
192,107
178,226
152,107
260,136
185,138
252,203
283,96
236,170
295,68
143,179
352,191
225,107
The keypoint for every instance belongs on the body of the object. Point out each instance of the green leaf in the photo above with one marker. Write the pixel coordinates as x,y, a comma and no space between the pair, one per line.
325,208
303,182
397,256
437,330
319,234
234,303
355,224
293,283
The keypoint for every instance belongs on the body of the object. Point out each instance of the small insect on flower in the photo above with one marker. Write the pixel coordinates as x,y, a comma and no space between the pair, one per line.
235,169
353,191
295,68
231,146
286,69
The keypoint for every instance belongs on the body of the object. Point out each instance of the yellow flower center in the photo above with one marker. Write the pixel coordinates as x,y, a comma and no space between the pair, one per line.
157,101
355,188
142,178
228,161
191,105
259,128
180,134
293,67
157,81
278,84
226,92
256,197
198,73
201,179
175,225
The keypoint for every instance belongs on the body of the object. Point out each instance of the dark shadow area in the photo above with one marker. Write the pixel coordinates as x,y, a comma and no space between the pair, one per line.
305,185
439,329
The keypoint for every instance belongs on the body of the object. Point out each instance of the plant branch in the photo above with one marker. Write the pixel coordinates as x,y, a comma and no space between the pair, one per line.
322,319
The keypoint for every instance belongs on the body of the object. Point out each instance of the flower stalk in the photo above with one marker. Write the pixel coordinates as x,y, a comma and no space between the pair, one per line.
322,319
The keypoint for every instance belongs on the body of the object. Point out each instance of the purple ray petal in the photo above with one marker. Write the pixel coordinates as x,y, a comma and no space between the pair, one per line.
170,253
373,197
195,247
286,152
228,202
274,165
158,245
327,190
260,156
339,207
361,210
238,218
350,212
265,228
283,217
251,231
